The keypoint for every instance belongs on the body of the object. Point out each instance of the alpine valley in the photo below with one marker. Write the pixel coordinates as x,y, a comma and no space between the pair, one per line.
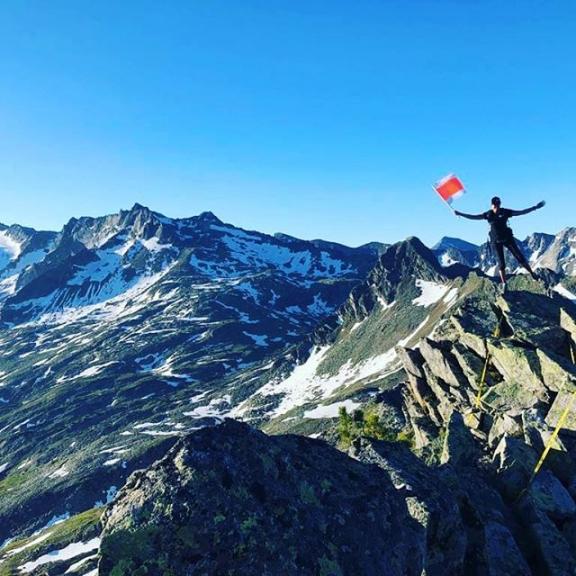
182,397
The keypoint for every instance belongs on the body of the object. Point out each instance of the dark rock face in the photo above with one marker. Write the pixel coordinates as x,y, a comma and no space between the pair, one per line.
231,500
468,528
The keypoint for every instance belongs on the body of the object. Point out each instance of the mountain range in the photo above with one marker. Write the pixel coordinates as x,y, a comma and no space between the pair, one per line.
122,337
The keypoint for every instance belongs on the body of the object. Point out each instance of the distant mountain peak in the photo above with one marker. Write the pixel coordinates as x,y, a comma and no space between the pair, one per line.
410,249
139,207
447,242
209,217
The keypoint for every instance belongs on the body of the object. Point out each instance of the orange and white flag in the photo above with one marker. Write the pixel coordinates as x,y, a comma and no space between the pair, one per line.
449,188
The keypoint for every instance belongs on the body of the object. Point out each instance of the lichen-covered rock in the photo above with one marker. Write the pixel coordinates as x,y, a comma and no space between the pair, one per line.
231,500
553,555
515,462
499,376
550,496
503,425
460,447
441,363
558,373
433,506
522,386
468,527
412,361
562,401
501,553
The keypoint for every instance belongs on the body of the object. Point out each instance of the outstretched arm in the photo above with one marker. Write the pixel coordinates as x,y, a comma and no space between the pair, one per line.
471,216
528,210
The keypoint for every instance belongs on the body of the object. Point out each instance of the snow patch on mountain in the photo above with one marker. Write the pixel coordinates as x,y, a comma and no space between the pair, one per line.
331,410
305,384
9,248
74,568
405,341
217,408
355,326
384,304
11,269
8,285
62,472
319,307
38,540
71,551
431,292
107,265
94,370
249,290
153,245
258,339
260,254
116,301
446,260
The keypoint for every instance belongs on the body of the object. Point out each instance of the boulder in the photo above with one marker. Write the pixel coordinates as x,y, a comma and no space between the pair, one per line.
231,500
460,447
549,495
430,503
503,425
517,364
552,554
562,401
558,373
441,363
515,462
501,555
411,360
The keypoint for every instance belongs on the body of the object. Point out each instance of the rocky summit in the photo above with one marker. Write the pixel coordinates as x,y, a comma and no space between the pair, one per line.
231,500
180,396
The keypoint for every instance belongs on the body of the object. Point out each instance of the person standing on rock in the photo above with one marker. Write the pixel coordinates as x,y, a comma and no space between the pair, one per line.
501,234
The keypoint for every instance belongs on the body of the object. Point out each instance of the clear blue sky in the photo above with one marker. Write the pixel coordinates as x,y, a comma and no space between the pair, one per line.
318,118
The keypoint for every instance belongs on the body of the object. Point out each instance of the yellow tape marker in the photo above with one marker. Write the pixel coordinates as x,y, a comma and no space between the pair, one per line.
482,379
554,436
560,424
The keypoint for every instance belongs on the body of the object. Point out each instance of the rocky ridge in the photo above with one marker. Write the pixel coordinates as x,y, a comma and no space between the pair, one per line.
466,480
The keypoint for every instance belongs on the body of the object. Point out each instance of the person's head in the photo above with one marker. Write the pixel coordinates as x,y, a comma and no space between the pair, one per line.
496,203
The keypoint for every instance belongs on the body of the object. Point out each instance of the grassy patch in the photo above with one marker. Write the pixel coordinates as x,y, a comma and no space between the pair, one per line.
14,481
80,527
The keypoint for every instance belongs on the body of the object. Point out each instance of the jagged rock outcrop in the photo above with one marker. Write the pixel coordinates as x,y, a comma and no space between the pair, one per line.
493,432
231,500
467,524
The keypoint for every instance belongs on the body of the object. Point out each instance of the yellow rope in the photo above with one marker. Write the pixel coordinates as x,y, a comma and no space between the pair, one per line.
554,436
482,378
559,426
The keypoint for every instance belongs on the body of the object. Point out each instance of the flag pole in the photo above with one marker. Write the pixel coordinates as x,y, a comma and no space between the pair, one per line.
445,201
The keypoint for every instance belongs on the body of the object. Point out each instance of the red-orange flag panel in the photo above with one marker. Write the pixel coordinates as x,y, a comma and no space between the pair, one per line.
449,188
